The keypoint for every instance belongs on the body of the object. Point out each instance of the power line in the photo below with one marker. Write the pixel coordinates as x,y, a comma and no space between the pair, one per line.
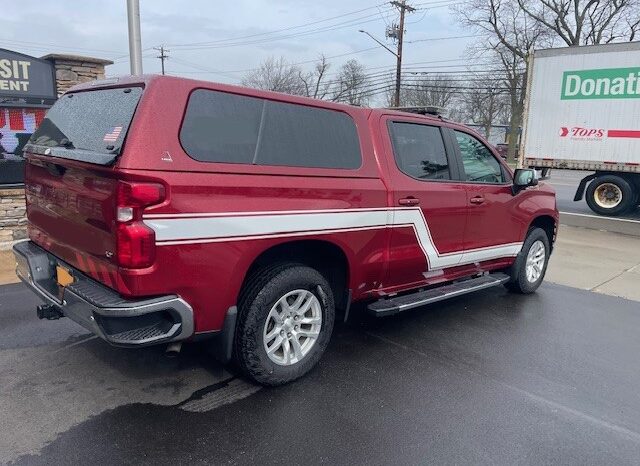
433,39
330,27
247,70
201,68
48,46
481,86
380,13
123,58
280,30
334,27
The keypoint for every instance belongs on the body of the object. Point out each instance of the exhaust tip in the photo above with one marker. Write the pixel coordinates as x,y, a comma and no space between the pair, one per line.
173,349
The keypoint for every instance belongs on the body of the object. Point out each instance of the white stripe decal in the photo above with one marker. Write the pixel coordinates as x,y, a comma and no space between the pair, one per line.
173,229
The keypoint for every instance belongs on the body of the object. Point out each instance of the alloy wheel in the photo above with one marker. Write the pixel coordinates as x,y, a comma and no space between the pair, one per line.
535,261
292,327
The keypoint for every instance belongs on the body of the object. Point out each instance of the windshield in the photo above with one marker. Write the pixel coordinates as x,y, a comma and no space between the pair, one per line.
94,121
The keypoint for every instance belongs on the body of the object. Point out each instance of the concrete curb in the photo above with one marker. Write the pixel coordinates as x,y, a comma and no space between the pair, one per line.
596,222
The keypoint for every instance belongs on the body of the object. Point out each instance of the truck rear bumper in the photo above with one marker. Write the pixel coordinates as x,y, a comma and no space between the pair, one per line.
99,309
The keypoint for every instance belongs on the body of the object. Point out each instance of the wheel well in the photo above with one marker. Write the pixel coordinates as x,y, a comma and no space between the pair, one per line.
548,224
327,258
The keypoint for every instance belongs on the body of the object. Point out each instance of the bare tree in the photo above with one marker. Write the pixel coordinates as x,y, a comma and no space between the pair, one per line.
436,90
506,34
352,84
276,75
585,22
485,103
314,82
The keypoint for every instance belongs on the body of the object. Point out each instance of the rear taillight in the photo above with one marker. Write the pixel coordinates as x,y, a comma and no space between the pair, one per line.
140,194
136,242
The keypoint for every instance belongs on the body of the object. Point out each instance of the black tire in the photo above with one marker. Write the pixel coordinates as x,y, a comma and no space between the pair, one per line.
629,197
636,200
261,292
519,282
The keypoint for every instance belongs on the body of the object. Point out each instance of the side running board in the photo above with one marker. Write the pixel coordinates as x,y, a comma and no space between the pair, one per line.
390,306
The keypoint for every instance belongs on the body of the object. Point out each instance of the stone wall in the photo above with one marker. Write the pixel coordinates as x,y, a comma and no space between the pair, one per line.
12,216
74,69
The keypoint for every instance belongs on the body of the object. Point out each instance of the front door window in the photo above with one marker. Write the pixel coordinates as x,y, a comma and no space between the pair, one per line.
480,165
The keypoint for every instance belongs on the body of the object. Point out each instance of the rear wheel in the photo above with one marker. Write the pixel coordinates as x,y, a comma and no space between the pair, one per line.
610,195
531,264
285,323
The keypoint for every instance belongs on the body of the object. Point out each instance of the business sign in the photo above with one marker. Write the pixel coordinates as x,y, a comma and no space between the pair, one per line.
607,83
23,76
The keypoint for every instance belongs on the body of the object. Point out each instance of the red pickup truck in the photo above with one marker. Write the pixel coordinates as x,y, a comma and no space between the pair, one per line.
164,209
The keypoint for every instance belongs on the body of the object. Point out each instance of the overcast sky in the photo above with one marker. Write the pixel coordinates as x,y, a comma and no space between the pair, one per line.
99,28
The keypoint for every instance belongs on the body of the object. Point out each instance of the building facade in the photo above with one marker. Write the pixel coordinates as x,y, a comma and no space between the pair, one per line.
28,87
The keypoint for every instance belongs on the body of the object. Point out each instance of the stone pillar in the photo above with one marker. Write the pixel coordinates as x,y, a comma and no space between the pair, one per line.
12,216
74,69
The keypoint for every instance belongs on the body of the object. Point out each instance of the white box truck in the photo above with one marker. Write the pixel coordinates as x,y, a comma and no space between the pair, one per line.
582,112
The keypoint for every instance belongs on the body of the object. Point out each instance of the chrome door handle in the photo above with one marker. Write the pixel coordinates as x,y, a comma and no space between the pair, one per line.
477,200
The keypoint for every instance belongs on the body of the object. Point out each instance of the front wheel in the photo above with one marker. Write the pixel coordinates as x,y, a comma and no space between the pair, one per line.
285,323
530,267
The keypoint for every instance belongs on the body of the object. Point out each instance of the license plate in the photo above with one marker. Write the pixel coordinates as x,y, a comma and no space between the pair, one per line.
63,276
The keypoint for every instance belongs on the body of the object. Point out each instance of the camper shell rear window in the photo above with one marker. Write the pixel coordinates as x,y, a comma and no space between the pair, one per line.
229,128
89,126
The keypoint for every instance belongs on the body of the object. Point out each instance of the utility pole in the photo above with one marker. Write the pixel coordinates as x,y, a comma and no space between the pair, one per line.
399,34
163,56
135,41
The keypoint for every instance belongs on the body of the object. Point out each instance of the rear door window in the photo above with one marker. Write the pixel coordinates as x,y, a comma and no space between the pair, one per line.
89,126
419,151
229,128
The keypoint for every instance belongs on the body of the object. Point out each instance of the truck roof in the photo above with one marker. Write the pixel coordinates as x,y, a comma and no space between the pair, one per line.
148,79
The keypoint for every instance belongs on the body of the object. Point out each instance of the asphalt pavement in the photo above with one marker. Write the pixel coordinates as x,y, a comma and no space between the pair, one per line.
491,378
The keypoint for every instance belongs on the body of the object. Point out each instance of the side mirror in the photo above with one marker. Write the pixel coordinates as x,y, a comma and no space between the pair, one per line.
523,178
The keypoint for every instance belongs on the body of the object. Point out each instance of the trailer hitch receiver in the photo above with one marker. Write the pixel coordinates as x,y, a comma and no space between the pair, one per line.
49,312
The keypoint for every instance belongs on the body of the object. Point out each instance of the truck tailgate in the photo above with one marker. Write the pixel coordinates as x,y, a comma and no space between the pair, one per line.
71,210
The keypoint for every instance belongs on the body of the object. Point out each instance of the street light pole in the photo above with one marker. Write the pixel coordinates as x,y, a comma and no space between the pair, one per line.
135,41
379,42
396,99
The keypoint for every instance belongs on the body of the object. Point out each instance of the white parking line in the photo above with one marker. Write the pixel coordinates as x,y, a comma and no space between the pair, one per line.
570,185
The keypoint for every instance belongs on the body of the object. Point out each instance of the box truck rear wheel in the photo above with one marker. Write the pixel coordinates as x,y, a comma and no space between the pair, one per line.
610,195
